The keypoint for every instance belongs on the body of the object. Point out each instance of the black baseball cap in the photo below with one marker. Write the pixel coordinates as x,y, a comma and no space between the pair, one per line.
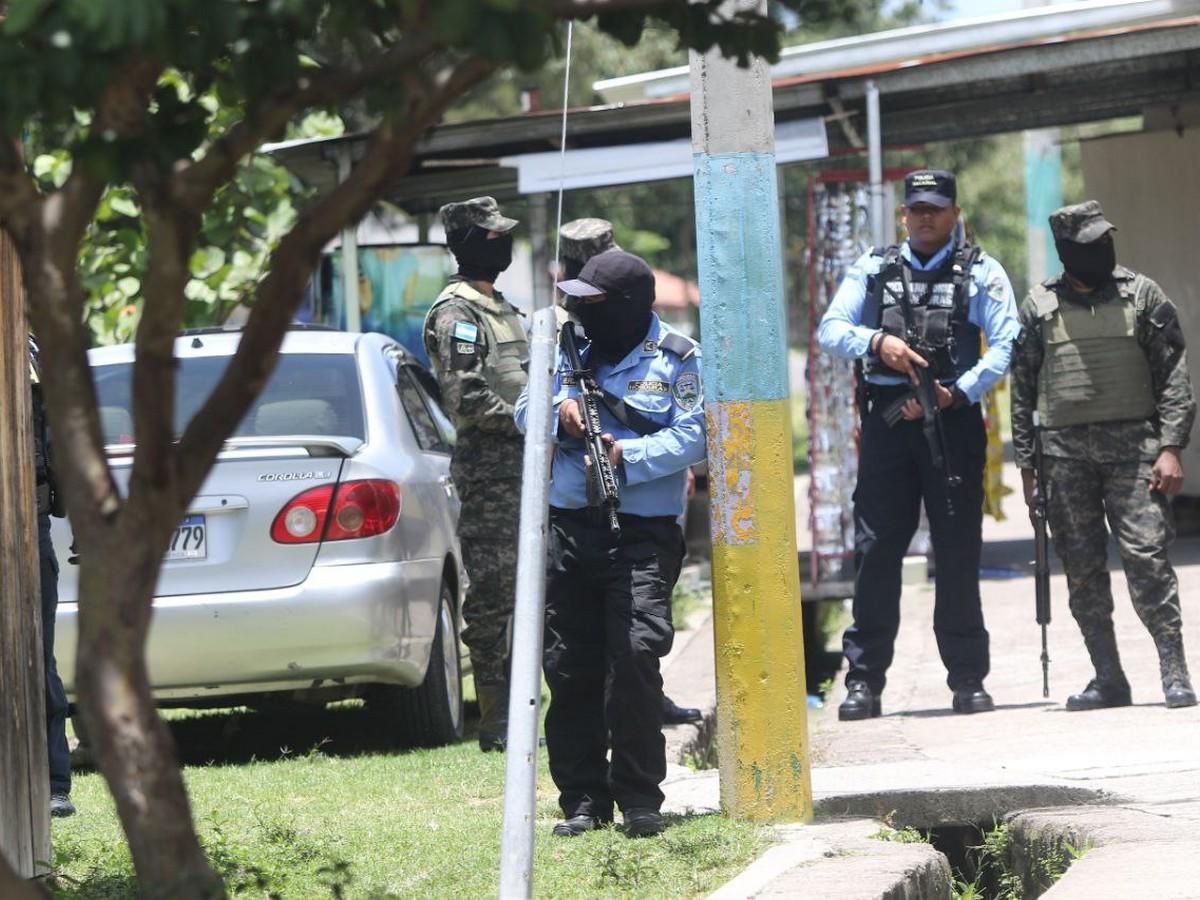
615,273
934,186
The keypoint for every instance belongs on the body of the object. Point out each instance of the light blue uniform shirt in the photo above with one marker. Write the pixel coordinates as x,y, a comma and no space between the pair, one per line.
991,307
653,471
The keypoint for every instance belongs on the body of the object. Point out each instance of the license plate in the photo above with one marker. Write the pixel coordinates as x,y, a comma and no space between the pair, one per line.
190,540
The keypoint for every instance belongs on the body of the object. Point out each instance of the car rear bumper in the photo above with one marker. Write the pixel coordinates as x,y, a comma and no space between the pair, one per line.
371,622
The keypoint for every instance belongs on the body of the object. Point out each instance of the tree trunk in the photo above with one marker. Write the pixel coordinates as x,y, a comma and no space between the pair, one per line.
24,775
132,746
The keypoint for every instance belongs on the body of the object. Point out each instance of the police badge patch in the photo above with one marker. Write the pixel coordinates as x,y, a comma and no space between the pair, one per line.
995,288
687,390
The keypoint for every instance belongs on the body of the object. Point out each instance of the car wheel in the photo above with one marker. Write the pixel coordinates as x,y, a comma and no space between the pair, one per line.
430,715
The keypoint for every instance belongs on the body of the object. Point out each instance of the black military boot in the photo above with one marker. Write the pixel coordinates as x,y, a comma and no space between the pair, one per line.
1110,687
861,703
1177,687
970,697
673,714
493,716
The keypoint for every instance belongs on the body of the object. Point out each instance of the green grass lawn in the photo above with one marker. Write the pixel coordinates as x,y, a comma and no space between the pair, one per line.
314,806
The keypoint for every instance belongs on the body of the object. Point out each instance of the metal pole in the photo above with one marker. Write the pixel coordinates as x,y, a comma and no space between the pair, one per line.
762,717
538,211
349,251
525,681
875,166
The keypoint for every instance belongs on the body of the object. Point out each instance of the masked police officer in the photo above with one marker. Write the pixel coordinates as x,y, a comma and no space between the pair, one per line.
477,344
922,305
581,239
608,598
1101,359
49,503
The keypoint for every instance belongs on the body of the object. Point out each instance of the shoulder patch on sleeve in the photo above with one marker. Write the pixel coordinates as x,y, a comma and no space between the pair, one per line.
681,346
466,331
686,390
995,287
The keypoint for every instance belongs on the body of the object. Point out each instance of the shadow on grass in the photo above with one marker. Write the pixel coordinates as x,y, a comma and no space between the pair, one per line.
240,735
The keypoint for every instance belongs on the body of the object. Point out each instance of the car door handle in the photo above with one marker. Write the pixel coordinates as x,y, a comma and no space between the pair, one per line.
447,484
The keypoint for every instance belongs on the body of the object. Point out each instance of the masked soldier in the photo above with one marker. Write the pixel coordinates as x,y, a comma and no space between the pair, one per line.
581,240
477,344
923,304
49,503
1101,360
608,597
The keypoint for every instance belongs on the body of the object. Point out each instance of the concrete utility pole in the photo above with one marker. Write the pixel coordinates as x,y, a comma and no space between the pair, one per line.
762,717
24,765
1043,193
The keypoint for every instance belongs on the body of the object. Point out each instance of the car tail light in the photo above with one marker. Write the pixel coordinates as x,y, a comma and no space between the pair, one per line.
354,509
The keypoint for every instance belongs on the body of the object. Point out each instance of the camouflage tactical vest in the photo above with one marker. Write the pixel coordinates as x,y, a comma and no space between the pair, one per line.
500,320
1093,369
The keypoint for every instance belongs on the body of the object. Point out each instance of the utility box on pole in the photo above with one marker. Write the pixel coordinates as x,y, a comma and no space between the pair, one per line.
762,716
24,773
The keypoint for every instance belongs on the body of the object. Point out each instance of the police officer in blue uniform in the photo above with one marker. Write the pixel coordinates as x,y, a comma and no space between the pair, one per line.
49,502
953,294
608,599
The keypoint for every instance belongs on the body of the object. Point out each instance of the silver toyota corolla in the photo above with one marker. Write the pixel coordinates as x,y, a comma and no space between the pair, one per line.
319,560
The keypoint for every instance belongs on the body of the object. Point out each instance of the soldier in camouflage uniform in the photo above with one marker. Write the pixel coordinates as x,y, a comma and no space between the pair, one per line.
581,240
1101,360
478,347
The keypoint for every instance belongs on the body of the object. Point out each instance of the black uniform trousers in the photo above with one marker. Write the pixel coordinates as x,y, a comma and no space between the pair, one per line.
895,472
608,622
56,696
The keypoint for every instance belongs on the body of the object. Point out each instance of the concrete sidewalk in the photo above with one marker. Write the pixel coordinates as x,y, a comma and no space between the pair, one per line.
1136,770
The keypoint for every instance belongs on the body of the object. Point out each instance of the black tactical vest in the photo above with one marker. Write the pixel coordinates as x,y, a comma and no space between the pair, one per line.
43,473
939,302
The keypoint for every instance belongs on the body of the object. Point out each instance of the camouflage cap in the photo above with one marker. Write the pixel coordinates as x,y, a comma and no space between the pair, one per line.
481,211
584,238
1082,223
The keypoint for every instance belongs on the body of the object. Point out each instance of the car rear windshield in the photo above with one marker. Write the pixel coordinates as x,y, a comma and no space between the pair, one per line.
312,394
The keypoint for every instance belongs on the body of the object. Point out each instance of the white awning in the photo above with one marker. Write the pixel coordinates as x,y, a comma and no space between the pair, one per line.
539,173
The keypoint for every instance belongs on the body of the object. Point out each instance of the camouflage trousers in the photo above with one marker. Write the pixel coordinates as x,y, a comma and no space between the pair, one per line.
1082,495
488,529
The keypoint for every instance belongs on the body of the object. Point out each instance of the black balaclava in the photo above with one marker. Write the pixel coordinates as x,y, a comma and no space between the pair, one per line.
571,267
1091,263
616,325
480,258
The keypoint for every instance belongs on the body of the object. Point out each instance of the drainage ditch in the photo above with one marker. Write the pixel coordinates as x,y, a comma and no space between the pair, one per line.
990,861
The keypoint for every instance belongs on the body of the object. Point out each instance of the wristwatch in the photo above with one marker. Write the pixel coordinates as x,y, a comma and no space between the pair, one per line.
960,399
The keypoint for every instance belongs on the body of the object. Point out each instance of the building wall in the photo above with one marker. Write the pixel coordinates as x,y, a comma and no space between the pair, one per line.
1149,185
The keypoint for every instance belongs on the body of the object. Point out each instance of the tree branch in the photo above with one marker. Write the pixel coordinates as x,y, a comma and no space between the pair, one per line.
172,237
121,113
196,182
390,152
20,203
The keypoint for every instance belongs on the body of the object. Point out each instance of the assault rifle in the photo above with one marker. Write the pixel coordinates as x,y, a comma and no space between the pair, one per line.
925,394
1041,544
602,482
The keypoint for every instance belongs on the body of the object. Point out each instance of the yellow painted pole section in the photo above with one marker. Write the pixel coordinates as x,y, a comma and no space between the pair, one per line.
762,713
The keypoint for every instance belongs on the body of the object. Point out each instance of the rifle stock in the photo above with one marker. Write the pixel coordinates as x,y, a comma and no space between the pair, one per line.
602,477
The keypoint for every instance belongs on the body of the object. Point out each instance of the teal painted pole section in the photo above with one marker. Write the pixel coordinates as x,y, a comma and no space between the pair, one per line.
743,324
1043,195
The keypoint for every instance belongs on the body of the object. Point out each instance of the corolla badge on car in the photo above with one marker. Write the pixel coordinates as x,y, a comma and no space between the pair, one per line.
295,476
